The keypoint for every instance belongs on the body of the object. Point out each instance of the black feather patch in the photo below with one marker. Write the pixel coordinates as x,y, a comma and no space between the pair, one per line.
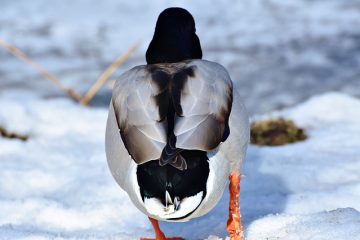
168,101
178,83
162,80
154,180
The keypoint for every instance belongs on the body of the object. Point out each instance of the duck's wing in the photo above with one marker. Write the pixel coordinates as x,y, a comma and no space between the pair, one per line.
206,99
161,112
137,114
234,148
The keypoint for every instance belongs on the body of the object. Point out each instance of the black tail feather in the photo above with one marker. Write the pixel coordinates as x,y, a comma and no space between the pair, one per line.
179,162
172,155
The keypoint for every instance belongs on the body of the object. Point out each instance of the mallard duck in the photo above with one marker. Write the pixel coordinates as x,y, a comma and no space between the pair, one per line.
177,130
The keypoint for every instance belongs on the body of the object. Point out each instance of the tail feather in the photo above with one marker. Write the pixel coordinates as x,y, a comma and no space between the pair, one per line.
172,155
179,162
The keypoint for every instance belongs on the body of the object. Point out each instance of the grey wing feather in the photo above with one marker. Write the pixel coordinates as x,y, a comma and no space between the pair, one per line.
206,102
137,115
234,148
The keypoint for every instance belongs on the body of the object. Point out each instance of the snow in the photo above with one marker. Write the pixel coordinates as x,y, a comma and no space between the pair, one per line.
57,185
341,223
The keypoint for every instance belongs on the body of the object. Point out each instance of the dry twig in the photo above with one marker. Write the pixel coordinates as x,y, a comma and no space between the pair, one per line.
107,74
41,71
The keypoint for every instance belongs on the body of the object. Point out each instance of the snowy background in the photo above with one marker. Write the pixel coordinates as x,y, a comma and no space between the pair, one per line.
279,53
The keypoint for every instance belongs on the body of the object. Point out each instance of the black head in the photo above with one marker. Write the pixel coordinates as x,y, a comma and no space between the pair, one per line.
174,39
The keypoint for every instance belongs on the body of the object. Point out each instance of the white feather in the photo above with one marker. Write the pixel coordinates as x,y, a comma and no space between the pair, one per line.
187,205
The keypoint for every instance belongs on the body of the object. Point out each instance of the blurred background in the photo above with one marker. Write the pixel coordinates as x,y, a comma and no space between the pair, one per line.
277,52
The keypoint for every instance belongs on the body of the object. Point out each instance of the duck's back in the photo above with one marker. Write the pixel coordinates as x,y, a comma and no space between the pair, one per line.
163,109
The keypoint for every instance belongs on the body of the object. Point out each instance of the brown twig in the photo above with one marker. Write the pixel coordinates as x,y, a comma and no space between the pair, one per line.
41,71
107,74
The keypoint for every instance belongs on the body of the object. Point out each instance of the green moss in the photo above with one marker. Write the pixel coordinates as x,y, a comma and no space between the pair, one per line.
276,132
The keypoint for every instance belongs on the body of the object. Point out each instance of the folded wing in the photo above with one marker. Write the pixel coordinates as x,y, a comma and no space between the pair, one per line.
206,100
137,114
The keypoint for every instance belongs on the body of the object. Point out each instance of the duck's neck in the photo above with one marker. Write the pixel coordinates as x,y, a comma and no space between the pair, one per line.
173,47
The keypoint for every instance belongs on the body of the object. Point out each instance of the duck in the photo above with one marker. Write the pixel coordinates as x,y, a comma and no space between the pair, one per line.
177,130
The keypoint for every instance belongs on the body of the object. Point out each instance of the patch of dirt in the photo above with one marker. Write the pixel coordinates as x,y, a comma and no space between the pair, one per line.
276,132
12,135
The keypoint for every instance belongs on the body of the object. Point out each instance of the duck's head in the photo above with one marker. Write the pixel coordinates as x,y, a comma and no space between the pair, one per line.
174,38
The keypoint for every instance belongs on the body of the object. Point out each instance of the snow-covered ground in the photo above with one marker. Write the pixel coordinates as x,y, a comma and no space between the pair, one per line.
279,52
56,185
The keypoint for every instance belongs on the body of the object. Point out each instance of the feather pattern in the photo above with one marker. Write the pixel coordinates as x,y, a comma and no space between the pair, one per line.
206,105
163,109
137,115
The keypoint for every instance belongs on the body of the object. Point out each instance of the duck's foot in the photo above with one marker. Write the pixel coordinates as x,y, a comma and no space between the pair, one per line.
171,238
234,226
159,235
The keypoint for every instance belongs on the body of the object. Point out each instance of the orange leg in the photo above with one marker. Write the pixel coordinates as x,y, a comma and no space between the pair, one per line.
234,226
159,235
